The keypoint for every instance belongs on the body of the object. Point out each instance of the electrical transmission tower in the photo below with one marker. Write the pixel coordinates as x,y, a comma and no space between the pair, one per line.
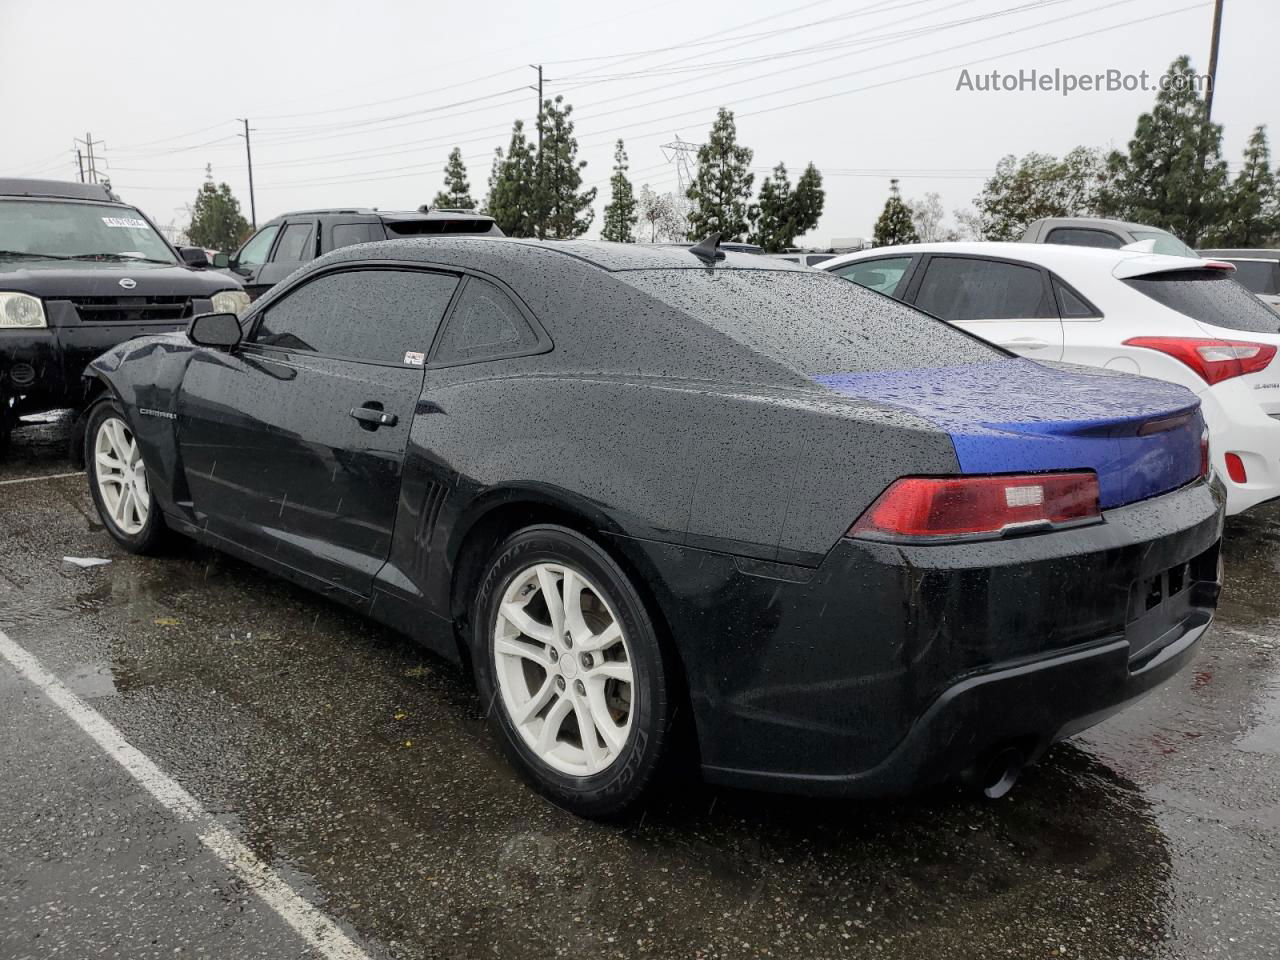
684,155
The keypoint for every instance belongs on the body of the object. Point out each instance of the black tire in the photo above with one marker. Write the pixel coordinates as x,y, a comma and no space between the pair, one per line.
640,761
154,534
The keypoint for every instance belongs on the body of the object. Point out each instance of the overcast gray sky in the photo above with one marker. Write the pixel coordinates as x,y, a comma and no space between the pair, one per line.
359,103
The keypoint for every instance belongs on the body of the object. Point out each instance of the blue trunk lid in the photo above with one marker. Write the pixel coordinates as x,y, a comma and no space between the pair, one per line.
1141,436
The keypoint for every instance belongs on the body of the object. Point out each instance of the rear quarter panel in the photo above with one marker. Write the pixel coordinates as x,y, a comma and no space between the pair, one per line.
774,475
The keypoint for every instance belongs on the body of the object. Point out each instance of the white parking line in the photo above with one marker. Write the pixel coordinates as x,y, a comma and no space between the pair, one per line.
321,933
47,476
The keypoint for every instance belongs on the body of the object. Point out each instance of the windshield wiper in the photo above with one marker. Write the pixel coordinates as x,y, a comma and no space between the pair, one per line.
116,258
28,255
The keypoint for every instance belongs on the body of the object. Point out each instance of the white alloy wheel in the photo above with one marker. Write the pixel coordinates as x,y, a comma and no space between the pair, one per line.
121,476
564,669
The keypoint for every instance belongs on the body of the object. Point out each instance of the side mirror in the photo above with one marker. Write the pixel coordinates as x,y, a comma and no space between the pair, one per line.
218,330
221,261
194,256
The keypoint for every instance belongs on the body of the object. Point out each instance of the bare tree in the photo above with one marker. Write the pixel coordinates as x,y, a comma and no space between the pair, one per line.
926,216
664,215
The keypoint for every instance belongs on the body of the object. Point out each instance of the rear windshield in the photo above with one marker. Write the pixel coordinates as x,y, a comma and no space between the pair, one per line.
60,229
1260,276
1165,243
418,228
1209,296
815,322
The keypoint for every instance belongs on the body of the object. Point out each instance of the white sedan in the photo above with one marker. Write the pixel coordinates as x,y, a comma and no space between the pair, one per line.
1185,321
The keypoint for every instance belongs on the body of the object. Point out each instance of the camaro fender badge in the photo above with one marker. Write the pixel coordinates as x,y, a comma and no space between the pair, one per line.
148,412
414,359
128,283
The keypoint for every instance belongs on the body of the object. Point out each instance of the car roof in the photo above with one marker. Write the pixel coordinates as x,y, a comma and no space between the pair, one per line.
1087,222
471,251
392,216
1052,256
56,189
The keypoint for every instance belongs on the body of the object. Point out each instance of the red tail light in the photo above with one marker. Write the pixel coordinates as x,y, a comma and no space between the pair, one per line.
1235,468
1214,360
947,507
1205,461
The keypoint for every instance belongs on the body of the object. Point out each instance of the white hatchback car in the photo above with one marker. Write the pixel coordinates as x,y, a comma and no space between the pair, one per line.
1172,318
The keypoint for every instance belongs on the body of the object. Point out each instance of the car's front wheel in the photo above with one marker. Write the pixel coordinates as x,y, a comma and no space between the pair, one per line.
567,657
119,482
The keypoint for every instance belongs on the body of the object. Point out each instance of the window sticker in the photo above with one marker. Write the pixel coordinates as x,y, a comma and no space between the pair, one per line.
414,359
127,223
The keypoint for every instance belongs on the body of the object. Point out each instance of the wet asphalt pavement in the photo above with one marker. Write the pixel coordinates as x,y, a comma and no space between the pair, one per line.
359,767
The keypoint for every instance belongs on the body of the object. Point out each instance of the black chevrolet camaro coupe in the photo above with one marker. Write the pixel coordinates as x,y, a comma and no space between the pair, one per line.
666,497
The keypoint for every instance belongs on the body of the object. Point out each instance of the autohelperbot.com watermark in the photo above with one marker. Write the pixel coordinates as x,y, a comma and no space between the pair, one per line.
1066,82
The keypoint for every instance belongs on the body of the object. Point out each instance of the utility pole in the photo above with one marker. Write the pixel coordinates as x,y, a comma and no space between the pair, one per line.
1213,61
538,175
88,163
80,163
248,155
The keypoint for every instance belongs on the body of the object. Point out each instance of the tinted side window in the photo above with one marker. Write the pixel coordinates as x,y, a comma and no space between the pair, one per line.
296,244
361,314
484,325
966,289
1072,305
1209,296
881,276
254,252
1079,237
346,234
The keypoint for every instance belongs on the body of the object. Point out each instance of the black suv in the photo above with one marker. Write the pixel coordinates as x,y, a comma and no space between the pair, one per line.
288,241
81,272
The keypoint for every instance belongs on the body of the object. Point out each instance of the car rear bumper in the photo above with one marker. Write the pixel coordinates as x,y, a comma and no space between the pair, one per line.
1246,422
891,667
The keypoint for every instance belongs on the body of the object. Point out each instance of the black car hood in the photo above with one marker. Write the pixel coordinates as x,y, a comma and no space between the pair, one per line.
56,279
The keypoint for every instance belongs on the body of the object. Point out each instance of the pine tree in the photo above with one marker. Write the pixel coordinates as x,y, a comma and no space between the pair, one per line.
457,192
511,186
1173,175
774,230
1251,215
216,221
807,201
620,216
562,213
894,225
721,190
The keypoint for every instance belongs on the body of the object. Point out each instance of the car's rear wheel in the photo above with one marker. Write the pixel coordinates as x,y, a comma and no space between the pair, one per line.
119,481
568,659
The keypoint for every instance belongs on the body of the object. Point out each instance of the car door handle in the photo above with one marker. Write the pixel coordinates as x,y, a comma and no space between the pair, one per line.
1026,343
374,417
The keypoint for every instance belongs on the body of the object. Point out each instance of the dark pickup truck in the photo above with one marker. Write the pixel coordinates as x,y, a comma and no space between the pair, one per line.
288,241
80,272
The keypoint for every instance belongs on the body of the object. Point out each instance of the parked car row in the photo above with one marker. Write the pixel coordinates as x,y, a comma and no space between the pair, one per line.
674,503
677,504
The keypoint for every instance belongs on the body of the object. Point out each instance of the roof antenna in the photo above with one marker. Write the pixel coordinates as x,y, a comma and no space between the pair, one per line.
708,248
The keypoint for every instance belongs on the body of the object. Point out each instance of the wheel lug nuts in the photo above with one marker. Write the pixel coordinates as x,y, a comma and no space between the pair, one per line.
554,656
568,642
559,683
587,661
580,687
